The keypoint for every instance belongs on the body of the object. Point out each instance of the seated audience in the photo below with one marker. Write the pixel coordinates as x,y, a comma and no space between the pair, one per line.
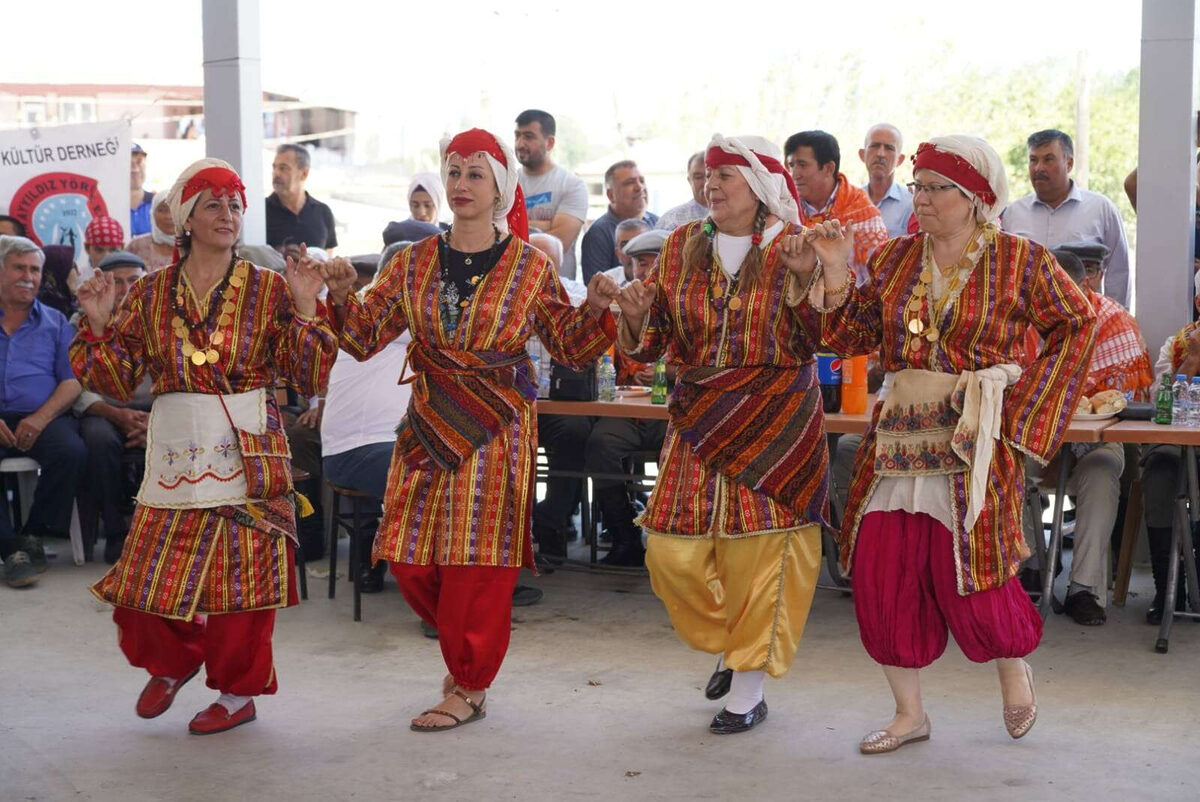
1119,363
613,440
425,197
627,197
695,208
110,429
357,420
408,231
156,247
101,237
59,275
36,388
622,273
12,227
1161,465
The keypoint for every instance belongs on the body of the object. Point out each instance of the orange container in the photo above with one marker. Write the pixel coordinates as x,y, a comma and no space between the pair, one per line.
854,385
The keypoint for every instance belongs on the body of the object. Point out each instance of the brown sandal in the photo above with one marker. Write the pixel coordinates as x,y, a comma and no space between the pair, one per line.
478,711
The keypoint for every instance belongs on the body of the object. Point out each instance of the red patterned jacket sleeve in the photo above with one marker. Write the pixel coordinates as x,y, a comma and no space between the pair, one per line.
372,320
114,364
852,329
1038,408
307,347
572,335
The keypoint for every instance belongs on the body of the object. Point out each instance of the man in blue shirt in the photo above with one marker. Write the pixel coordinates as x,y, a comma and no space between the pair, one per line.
140,198
883,152
627,198
36,388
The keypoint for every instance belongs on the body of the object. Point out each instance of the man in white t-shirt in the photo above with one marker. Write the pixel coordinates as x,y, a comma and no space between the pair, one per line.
556,199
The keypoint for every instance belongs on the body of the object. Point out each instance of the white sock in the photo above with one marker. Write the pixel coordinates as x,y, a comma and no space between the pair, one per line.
745,692
233,703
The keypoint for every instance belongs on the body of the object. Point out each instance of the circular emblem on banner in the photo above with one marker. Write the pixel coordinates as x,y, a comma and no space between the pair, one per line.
57,207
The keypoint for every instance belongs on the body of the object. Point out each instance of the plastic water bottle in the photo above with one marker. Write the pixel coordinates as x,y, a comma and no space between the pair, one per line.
606,380
1180,412
1194,403
658,391
540,376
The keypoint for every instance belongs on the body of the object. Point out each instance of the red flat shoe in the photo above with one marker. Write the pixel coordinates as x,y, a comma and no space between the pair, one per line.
158,694
215,718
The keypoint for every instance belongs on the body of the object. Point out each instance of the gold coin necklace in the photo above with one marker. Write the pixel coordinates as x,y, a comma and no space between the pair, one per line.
922,312
218,320
719,297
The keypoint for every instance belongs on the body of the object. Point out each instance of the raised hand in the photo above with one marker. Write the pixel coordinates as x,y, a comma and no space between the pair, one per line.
635,301
97,297
798,254
303,276
601,292
339,276
833,246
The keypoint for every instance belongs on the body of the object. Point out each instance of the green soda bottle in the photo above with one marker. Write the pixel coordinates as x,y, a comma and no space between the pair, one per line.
1162,404
658,391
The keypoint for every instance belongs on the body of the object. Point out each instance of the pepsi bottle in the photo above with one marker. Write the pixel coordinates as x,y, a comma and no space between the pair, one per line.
829,375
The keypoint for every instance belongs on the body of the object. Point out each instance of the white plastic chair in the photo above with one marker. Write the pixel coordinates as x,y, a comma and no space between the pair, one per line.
26,469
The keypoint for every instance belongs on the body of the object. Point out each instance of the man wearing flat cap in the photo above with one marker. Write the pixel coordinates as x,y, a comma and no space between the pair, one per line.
110,429
613,440
1094,256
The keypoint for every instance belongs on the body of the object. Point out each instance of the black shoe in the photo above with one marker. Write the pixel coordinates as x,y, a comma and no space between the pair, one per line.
113,545
428,631
1031,580
1154,615
726,723
370,580
32,546
625,555
19,571
1084,610
719,683
523,596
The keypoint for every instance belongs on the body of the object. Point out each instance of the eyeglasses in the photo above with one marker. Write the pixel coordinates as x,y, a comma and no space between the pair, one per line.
932,189
1092,269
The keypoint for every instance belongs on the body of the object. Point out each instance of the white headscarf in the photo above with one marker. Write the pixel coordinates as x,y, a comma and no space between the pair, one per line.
159,236
181,210
431,183
985,161
774,189
506,175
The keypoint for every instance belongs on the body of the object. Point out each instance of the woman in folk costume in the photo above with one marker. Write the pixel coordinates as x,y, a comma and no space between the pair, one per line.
456,520
734,522
214,526
933,521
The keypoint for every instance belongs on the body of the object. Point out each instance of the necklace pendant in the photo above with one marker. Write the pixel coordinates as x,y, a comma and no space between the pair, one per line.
932,334
718,290
467,260
188,349
218,338
735,303
198,358
916,326
464,304
211,356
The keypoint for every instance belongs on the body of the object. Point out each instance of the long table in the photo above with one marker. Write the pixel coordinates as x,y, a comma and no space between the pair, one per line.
639,406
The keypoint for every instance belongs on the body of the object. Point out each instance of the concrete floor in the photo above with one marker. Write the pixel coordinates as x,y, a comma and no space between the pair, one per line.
596,700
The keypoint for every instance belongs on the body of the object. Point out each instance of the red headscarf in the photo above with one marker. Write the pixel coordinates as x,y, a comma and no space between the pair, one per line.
477,140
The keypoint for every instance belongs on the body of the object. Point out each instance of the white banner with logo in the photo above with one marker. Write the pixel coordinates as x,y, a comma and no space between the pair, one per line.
56,180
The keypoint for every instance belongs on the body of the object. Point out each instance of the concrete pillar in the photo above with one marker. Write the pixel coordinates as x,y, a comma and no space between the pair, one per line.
233,113
1166,169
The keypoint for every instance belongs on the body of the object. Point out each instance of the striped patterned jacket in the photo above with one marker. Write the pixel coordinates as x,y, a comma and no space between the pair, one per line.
746,387
177,563
479,513
1016,284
